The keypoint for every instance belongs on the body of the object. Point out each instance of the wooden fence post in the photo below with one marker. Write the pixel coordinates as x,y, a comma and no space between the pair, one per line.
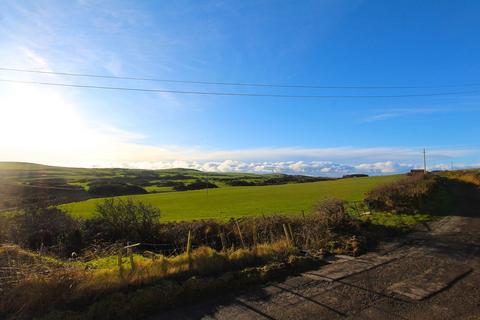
224,242
189,242
128,247
287,236
189,249
120,263
292,238
240,234
254,235
130,256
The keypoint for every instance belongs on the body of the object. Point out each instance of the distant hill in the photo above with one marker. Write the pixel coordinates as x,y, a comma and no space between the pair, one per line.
23,166
26,183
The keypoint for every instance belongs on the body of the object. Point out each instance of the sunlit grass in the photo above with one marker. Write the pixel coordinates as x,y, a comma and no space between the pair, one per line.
76,281
228,202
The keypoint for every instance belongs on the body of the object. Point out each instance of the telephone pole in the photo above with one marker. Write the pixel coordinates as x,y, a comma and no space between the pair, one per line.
207,184
424,161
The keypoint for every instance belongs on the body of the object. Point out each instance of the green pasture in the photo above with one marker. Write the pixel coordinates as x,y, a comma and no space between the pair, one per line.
228,202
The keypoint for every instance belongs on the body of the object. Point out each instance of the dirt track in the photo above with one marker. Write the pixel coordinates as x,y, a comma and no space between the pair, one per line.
432,274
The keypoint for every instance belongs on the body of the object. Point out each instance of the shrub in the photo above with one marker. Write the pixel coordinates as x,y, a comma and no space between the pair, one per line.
467,176
414,194
114,189
240,183
331,213
197,185
40,227
125,220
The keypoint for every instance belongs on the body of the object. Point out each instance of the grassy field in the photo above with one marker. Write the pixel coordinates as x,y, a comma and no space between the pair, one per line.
224,203
30,173
26,183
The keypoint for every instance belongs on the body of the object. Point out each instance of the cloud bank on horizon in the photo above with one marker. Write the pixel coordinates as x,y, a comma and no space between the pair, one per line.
312,168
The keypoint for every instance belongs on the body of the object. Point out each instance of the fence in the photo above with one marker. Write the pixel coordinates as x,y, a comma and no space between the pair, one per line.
298,231
244,233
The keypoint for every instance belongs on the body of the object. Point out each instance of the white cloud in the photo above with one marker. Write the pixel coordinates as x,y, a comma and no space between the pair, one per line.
404,112
35,59
312,168
384,167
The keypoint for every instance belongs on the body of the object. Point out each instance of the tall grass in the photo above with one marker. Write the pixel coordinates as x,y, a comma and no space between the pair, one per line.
264,241
37,293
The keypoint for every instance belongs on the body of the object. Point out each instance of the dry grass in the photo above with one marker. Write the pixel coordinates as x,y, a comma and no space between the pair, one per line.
17,264
73,285
414,194
30,281
468,176
202,261
137,304
70,283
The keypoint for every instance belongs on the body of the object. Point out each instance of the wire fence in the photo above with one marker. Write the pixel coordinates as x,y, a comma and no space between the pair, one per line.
238,233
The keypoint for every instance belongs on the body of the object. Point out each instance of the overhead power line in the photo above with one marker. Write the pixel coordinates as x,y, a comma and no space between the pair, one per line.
268,85
241,94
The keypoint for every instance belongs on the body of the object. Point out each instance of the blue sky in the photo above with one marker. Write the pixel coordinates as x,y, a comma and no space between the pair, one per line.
326,43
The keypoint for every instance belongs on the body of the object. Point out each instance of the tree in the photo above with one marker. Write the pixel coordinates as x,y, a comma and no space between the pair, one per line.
127,220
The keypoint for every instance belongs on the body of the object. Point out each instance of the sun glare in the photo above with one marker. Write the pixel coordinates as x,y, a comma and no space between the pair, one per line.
44,126
34,120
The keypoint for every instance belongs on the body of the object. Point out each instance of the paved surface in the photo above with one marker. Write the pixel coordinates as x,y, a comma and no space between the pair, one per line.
433,274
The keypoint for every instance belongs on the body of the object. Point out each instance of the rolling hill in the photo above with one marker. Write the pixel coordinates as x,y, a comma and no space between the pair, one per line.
228,202
28,183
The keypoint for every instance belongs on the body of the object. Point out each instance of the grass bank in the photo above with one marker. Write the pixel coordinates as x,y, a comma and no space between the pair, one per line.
101,289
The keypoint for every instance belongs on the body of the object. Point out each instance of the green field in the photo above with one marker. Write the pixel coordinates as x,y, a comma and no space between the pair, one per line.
26,183
227,202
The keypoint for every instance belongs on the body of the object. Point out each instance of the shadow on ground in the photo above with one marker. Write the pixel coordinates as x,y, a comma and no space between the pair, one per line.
465,198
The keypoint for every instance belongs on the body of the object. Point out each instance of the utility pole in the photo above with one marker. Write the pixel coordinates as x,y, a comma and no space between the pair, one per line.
424,161
207,184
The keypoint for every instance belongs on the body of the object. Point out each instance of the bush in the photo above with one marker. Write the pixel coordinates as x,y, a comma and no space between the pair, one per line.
114,189
38,227
126,220
467,176
197,185
331,213
414,194
240,183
